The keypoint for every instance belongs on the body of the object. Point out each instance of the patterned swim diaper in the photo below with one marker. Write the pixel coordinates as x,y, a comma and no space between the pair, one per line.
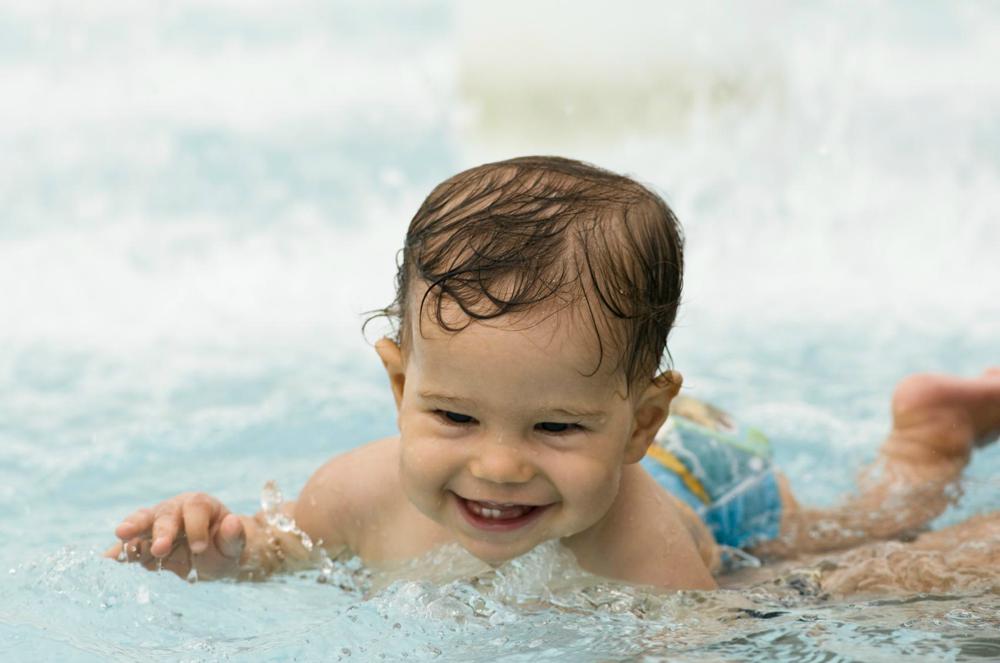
722,471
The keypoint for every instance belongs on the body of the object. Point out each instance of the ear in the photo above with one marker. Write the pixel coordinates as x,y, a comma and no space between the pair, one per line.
392,359
651,411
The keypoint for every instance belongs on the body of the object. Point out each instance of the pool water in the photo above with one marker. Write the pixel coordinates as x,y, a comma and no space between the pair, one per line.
200,200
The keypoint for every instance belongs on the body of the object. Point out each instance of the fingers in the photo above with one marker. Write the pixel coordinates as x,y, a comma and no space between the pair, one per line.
230,538
135,550
198,512
176,560
135,524
165,529
186,531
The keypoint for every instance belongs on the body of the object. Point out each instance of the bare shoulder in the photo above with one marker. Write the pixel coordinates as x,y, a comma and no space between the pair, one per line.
647,539
341,495
704,542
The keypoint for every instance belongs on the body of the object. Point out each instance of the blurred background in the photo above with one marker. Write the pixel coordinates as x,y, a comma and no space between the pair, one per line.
199,200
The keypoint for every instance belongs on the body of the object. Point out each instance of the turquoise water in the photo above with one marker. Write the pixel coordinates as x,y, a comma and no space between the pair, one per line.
199,200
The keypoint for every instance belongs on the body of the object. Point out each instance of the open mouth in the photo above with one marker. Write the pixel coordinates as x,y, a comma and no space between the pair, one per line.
496,516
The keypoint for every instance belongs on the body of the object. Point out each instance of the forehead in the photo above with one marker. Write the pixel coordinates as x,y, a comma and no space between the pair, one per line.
556,343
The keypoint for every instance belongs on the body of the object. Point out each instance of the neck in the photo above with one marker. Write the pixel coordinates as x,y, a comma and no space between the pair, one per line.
590,545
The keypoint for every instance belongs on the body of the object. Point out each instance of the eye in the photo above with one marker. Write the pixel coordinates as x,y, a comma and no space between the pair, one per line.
454,417
556,427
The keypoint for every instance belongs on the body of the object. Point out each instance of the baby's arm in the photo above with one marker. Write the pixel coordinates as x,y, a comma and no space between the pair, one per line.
194,531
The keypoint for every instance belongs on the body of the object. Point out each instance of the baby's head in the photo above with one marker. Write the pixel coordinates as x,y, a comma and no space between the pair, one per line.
545,234
533,304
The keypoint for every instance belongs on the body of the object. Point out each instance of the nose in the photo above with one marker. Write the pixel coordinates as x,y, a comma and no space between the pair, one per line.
498,461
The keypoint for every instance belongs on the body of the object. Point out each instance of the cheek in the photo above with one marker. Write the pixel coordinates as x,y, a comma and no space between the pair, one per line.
425,465
590,484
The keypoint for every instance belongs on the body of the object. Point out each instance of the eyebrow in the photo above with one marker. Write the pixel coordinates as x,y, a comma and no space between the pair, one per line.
568,410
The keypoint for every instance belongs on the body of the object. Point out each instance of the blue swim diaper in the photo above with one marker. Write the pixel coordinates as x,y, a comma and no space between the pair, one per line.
722,471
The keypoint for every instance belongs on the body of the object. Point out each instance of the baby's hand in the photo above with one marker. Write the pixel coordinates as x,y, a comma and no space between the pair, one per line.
189,531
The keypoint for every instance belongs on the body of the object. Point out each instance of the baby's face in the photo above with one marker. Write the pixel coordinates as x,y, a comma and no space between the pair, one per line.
507,438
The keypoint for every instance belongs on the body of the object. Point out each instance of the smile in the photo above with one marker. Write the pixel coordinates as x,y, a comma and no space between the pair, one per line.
496,516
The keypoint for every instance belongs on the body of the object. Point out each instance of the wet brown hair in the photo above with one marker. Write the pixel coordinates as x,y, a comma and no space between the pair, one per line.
510,236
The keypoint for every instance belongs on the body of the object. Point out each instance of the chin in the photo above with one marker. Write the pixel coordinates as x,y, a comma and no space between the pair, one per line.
494,554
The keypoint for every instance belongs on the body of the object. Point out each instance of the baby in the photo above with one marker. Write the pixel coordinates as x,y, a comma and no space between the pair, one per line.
533,304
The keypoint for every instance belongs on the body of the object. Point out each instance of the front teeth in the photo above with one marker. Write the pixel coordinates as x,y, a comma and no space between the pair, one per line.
498,512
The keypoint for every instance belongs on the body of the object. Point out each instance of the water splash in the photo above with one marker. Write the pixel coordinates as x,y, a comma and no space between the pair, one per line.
349,575
271,502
